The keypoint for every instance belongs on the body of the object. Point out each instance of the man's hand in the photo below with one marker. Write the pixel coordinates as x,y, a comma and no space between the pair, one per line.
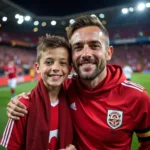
15,109
69,147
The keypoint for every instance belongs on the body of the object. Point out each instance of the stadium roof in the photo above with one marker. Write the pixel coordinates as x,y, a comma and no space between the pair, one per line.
66,7
61,11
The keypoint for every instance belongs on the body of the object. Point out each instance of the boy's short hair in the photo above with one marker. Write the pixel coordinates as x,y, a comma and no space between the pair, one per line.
52,42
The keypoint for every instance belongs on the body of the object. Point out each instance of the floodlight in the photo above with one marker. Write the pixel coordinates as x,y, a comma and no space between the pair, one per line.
20,17
27,18
43,24
71,21
125,11
141,6
53,23
35,29
147,5
93,15
20,21
101,16
131,9
4,18
36,23
17,16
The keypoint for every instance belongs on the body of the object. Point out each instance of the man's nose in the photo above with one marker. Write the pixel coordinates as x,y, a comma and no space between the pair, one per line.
86,52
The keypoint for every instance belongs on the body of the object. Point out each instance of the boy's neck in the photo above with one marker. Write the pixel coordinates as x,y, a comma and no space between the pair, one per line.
53,94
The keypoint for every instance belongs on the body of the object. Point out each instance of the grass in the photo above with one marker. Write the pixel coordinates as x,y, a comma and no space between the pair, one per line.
143,79
5,98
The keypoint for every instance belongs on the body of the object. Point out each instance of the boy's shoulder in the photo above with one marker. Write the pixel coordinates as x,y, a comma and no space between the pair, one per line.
25,101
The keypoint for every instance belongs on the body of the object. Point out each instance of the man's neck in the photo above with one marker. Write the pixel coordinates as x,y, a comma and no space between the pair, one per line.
90,84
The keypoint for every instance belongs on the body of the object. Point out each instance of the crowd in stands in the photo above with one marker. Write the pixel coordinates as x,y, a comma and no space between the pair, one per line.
114,33
135,55
129,32
23,58
24,39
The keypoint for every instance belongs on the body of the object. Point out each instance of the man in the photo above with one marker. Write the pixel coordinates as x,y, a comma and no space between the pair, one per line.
11,72
128,72
106,109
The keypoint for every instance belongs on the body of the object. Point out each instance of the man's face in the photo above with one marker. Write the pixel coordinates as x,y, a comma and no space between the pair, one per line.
54,66
89,52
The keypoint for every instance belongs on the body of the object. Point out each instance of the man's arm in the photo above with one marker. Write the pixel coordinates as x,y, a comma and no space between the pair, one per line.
16,109
144,146
142,121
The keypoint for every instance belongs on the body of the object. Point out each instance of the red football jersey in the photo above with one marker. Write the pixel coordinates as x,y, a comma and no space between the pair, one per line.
53,136
14,135
11,72
106,117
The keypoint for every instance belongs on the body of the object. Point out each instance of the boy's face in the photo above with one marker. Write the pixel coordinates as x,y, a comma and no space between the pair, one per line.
53,66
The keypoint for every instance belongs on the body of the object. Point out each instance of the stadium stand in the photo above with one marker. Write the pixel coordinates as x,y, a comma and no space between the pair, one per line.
23,57
136,55
129,36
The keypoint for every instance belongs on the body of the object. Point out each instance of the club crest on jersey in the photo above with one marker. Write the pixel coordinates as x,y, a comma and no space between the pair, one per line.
114,118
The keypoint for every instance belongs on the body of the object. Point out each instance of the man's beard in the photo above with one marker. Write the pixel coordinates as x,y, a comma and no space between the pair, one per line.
99,69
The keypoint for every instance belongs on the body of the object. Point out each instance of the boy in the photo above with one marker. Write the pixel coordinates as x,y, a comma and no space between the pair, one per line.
48,124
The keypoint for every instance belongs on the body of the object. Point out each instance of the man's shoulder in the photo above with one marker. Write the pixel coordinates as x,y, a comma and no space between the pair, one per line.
133,90
133,95
71,80
131,86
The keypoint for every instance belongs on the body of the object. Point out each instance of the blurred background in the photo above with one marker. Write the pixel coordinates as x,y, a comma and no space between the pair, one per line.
23,22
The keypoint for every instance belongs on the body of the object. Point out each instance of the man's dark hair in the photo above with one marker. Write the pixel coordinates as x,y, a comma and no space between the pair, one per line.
85,21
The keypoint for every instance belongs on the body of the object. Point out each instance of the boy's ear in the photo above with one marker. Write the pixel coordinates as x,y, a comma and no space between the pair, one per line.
37,67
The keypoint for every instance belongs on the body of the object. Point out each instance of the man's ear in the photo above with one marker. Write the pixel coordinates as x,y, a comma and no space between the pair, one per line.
37,67
109,52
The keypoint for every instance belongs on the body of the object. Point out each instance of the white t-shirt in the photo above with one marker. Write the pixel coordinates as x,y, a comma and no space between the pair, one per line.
128,72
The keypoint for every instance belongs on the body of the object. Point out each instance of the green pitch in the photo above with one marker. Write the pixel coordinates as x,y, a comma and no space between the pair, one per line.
143,79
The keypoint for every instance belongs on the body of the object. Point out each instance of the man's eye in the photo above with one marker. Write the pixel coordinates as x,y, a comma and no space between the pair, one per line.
95,46
77,48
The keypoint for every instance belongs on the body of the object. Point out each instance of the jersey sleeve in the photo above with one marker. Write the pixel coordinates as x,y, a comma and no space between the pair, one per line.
142,120
15,133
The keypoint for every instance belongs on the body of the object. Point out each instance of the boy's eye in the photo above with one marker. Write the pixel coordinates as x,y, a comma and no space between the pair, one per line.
49,62
63,63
